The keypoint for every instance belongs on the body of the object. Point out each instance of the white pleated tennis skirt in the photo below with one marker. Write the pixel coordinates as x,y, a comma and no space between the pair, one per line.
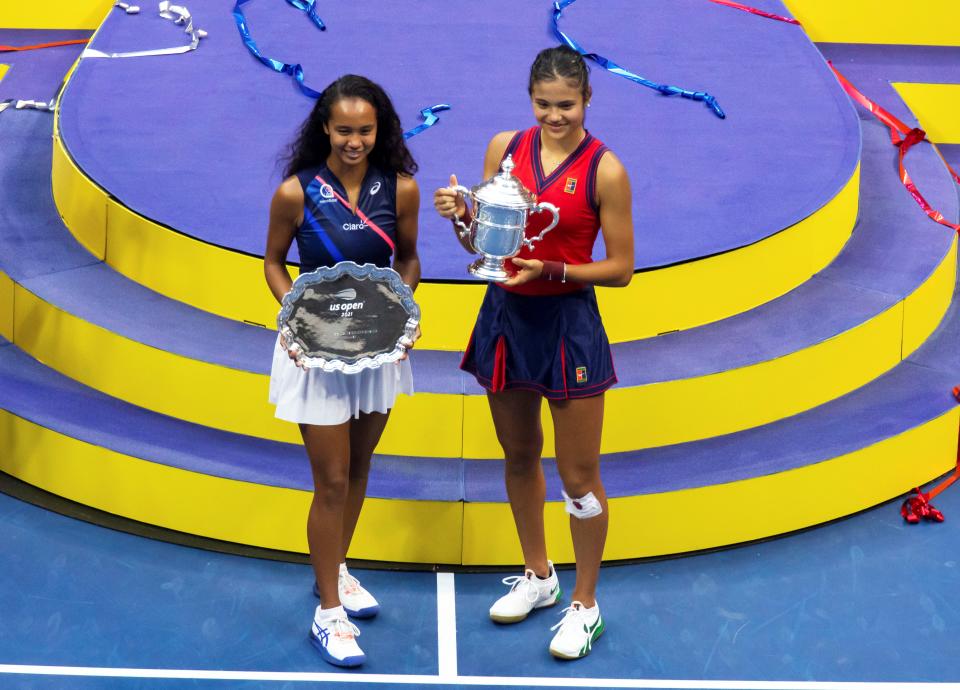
326,398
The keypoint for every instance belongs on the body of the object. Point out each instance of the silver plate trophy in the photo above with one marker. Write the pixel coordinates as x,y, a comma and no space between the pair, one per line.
500,209
348,317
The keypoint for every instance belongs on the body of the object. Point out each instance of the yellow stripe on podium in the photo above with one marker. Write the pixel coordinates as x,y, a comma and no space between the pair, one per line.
677,522
478,533
935,107
455,425
931,22
204,393
7,288
53,14
215,507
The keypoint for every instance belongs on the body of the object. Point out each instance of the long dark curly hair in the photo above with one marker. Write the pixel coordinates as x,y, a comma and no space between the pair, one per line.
312,145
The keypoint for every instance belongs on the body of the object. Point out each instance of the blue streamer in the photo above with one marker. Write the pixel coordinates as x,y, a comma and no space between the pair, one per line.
294,70
609,65
310,7
429,119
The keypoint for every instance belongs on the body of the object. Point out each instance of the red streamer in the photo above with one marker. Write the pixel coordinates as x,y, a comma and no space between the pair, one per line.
754,10
918,507
15,49
911,137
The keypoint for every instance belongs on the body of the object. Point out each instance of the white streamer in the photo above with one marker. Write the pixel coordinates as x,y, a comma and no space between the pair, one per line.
26,105
176,13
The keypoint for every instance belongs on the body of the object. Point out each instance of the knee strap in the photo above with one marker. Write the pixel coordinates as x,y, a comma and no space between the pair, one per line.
582,508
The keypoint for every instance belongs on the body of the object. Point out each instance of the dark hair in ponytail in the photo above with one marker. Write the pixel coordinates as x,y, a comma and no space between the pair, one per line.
312,145
560,62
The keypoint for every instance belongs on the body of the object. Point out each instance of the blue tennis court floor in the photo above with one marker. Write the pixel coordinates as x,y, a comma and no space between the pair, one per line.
865,600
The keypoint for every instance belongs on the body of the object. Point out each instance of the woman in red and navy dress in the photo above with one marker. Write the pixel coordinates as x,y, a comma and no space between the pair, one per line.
539,335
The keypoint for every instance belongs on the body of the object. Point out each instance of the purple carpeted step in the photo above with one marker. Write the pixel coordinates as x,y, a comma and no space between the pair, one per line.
217,120
36,75
951,154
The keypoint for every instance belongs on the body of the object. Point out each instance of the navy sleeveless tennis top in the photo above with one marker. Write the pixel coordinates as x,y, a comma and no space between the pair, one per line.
331,232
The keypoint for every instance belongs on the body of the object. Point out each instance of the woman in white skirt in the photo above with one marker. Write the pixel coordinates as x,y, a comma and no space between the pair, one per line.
349,195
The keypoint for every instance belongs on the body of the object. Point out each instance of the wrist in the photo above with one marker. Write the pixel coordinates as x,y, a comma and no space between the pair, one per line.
554,271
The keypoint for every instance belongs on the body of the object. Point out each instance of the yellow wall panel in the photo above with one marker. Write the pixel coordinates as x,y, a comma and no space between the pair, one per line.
452,425
431,532
684,410
53,14
187,270
926,22
203,393
724,514
82,205
926,307
935,107
209,506
6,306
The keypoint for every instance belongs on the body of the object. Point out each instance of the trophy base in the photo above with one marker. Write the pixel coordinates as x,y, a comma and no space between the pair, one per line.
489,269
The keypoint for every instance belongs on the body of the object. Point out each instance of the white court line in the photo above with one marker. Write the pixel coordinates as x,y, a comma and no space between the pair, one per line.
446,626
280,676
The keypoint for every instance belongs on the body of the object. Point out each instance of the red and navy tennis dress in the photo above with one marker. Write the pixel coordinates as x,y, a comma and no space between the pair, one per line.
547,336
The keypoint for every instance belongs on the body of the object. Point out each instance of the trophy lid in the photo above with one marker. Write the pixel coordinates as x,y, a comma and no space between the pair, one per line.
504,190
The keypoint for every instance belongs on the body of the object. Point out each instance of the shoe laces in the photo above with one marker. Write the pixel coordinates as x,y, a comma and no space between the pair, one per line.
343,628
574,614
523,582
349,584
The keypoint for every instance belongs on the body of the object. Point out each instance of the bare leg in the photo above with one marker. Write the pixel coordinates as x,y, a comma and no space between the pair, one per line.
578,425
516,416
328,448
365,434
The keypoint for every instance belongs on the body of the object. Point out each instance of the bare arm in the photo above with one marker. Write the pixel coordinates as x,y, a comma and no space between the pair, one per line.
616,223
286,215
406,261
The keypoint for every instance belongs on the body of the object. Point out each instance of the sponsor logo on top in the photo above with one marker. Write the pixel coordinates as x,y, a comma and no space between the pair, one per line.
375,188
326,194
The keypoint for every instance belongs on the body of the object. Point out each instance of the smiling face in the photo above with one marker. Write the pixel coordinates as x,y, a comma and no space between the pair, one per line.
352,129
559,107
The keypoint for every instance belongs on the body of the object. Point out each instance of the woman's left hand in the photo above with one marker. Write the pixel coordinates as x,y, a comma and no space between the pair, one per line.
527,270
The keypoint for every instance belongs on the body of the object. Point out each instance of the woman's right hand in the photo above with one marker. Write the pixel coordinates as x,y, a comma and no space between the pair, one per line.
449,202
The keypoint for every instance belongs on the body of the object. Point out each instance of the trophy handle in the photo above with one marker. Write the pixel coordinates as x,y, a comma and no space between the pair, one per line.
543,206
463,231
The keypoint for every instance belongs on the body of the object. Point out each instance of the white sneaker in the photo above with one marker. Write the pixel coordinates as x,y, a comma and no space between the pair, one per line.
335,636
357,601
527,592
579,629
